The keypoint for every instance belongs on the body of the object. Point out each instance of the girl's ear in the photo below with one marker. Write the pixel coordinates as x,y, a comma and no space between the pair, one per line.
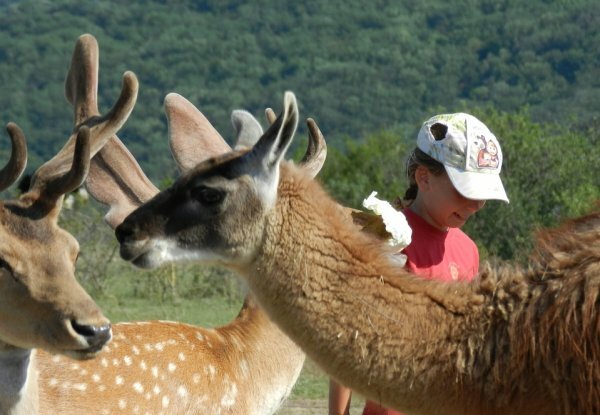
422,176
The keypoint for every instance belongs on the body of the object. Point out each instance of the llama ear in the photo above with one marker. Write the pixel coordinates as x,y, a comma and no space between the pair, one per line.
273,144
247,129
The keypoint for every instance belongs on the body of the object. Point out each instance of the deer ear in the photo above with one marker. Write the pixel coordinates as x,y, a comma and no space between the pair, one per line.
192,137
273,144
247,129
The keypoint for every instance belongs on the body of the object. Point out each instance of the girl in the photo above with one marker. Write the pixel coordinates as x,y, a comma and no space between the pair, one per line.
450,178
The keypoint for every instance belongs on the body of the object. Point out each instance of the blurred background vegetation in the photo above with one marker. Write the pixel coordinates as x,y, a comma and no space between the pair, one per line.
368,72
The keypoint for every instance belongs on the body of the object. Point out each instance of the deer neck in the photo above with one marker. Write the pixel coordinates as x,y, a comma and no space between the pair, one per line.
264,346
18,381
351,309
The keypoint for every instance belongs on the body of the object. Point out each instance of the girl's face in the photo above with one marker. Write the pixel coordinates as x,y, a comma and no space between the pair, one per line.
439,203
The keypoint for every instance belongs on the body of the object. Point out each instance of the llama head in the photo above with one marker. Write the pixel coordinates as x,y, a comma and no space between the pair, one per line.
216,212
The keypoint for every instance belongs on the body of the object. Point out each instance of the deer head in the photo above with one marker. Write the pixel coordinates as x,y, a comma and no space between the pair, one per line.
42,303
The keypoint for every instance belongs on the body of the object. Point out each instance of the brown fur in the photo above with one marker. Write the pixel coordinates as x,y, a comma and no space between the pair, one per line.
245,367
519,341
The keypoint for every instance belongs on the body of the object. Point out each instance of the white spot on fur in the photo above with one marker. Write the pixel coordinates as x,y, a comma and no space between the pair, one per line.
172,367
104,362
137,386
96,377
244,368
53,382
211,370
80,386
127,360
143,365
135,350
181,356
182,391
165,402
119,380
196,377
122,404
154,371
228,399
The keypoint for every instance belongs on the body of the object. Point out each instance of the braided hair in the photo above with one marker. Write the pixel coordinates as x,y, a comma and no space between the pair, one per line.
420,158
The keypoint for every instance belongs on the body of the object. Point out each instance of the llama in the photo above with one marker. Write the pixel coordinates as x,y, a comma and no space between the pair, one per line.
519,341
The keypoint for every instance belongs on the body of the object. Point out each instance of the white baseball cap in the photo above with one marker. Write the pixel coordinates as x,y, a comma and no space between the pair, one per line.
469,152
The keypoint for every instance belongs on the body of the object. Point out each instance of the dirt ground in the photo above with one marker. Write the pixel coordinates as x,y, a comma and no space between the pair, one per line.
315,407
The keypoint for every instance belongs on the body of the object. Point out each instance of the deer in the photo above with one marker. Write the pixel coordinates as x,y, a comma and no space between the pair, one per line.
247,366
520,340
43,309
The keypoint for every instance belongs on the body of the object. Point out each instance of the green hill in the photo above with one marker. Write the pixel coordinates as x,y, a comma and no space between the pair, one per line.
357,67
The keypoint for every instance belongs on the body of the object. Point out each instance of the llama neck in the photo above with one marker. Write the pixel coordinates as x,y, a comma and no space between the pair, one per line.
18,382
356,314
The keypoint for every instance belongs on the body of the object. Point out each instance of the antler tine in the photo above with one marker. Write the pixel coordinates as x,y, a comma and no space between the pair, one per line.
117,180
316,152
271,116
58,185
192,138
101,129
315,155
18,157
81,85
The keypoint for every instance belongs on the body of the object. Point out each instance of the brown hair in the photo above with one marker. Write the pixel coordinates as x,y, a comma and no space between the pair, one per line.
416,159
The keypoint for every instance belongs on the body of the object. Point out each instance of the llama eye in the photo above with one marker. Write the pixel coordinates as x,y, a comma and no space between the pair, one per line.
207,196
4,265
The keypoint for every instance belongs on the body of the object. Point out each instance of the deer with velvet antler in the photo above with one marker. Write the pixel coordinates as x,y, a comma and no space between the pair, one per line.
518,341
42,305
246,367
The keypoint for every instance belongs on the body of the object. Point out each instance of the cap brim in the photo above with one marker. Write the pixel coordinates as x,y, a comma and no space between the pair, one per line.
477,186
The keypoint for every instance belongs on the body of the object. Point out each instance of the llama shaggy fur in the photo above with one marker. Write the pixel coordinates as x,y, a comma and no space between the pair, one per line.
518,341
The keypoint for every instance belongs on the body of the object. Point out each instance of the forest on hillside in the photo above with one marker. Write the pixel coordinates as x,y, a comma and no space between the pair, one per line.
356,67
369,72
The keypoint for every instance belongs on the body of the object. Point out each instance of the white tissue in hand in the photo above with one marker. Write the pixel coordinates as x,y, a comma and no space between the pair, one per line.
394,221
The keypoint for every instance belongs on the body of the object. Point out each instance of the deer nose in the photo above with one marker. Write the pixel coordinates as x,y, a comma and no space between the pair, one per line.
96,336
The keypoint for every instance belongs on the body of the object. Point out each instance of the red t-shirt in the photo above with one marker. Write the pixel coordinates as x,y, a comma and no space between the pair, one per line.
434,254
442,255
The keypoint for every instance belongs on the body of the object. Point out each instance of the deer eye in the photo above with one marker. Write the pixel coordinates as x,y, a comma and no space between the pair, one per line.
207,195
